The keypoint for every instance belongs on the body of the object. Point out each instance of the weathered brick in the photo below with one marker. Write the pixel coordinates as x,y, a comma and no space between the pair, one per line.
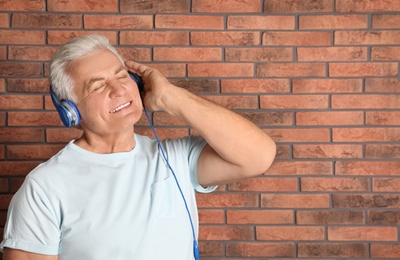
366,37
226,38
211,216
327,151
333,21
265,185
363,69
290,233
383,217
386,251
21,135
30,53
258,54
291,70
332,250
332,54
235,102
227,6
365,201
197,86
385,185
154,38
171,70
254,85
252,22
4,21
61,37
329,217
362,233
22,5
163,133
298,6
192,22
187,54
300,168
330,118
326,85
367,6
294,201
226,232
15,168
296,38
13,69
261,249
299,135
33,119
294,101
269,118
154,6
385,53
260,217
382,151
21,102
220,69
118,22
383,118
385,21
16,183
334,184
82,6
382,85
164,119
137,54
26,20
32,152
227,200
365,134
211,248
379,168
59,135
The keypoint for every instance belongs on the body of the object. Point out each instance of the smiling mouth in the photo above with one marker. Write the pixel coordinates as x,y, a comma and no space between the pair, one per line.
120,107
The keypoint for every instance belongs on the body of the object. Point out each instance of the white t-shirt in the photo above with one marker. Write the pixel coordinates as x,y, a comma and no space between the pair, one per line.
83,205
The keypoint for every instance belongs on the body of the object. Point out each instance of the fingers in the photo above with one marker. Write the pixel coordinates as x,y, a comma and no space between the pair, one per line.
136,67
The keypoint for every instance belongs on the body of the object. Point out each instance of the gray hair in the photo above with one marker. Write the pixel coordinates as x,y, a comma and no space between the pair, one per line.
60,79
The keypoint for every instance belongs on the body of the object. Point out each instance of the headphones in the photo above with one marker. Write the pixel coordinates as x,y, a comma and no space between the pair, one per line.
69,113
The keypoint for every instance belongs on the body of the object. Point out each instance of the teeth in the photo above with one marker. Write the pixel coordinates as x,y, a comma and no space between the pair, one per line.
120,107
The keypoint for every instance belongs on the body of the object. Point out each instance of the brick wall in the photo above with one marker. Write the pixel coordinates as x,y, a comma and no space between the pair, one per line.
320,77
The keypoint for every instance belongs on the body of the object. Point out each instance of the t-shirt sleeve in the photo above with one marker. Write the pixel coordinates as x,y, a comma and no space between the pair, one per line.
31,224
196,146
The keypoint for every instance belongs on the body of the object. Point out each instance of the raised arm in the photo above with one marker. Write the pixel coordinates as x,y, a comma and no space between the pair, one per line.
14,254
237,148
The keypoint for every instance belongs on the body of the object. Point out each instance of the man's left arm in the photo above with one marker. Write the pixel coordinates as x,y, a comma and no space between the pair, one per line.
236,147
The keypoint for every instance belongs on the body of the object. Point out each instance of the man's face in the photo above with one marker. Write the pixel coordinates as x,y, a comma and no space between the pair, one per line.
108,99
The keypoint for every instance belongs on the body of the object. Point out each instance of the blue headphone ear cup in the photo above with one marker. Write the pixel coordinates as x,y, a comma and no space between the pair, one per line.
67,111
137,79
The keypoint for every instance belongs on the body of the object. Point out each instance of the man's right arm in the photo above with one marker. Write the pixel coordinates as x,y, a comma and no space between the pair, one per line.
14,254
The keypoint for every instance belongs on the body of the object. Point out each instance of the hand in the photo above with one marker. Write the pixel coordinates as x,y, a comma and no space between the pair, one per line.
156,85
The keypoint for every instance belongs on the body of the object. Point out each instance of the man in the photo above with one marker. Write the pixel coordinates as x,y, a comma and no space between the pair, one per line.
110,194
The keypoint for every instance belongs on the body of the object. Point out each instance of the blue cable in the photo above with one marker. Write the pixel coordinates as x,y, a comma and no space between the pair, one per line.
196,250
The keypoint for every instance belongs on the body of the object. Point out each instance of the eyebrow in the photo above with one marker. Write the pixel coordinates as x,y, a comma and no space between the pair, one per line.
93,80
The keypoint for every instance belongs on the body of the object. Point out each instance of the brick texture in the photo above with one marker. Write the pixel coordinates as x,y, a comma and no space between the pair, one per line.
320,77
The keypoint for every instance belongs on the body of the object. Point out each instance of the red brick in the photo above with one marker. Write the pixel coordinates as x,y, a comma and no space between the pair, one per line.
20,69
24,20
227,200
154,6
382,151
32,152
171,70
383,217
297,6
365,201
15,184
21,37
296,38
211,248
59,135
334,184
382,85
2,151
4,21
211,216
265,185
366,135
16,168
227,38
327,151
295,200
258,54
385,53
227,6
5,201
118,22
61,37
33,119
362,233
367,37
260,22
385,185
235,102
294,101
363,69
330,118
283,152
197,86
187,54
154,38
333,21
2,85
391,251
383,118
82,6
163,133
20,102
192,22
290,233
30,53
332,250
137,54
329,217
2,118
269,118
367,168
291,70
220,70
367,6
385,21
225,233
326,85
21,135
332,54
299,135
260,249
254,85
22,5
300,168
3,52
260,217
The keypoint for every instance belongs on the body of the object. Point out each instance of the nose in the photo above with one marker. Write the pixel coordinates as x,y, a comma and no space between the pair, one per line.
116,88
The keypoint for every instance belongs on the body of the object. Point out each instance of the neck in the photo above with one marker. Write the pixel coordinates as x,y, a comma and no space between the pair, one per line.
107,144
